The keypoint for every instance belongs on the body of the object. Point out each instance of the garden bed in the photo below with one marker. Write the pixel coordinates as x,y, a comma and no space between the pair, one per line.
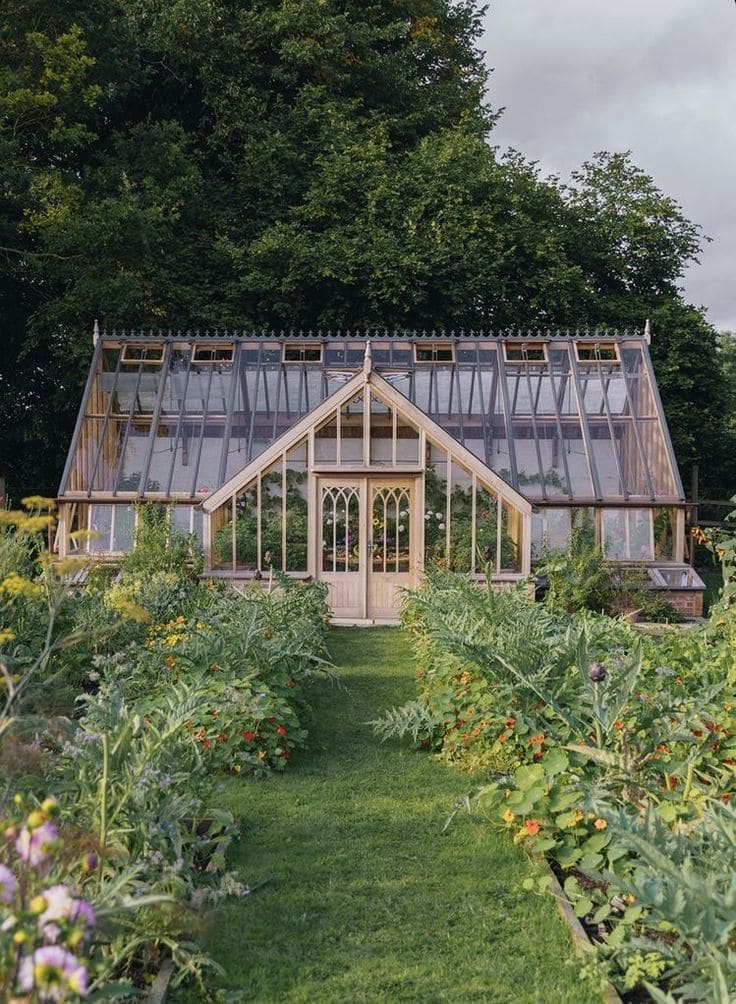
610,752
123,704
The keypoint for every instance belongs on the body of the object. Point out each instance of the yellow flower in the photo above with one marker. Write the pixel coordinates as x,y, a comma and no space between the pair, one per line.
38,502
35,524
6,635
129,610
16,585
508,816
82,536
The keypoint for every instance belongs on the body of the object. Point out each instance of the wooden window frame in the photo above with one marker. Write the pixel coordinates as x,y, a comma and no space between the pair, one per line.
434,350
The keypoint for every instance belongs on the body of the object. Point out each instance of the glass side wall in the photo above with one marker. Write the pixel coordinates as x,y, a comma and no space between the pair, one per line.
558,419
264,527
627,535
103,528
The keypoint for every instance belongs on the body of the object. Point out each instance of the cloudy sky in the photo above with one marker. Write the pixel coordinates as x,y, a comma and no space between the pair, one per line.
657,77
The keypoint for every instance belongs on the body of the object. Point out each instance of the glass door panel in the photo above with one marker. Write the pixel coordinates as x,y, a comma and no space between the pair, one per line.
391,529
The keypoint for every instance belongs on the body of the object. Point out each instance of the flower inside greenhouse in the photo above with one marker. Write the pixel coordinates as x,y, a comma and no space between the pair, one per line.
361,458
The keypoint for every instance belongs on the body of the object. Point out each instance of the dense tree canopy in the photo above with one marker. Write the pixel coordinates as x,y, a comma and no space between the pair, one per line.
297,163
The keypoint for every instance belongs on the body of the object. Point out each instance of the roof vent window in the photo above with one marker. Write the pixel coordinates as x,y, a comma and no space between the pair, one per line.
302,353
213,353
596,353
525,353
151,355
434,353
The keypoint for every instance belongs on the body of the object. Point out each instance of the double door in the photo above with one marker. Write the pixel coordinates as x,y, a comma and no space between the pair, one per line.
368,543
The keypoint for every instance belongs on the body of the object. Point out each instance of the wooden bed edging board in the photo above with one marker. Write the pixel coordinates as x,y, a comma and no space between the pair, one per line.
580,939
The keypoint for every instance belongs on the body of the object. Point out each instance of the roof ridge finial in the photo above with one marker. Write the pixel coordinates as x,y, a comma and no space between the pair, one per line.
647,332
367,358
95,332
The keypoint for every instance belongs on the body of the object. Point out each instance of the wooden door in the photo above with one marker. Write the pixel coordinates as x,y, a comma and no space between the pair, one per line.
368,543
341,544
392,548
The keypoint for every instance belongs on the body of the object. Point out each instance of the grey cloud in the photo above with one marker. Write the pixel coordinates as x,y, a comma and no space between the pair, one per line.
656,77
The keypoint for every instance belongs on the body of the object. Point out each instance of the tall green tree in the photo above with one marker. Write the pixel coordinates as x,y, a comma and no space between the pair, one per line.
295,163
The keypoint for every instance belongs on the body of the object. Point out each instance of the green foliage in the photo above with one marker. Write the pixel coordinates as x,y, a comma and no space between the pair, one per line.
160,708
579,578
585,728
218,165
160,547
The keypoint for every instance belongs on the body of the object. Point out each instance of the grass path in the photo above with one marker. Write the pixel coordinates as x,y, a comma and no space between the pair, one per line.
366,899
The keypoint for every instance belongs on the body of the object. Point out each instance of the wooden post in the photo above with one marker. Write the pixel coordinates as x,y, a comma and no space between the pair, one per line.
694,509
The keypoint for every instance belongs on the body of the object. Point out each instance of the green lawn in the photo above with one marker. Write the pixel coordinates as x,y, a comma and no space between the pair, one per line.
367,900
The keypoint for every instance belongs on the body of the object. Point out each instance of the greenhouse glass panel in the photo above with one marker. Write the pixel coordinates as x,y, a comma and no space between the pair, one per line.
436,506
296,526
551,530
486,530
123,528
325,442
461,519
271,518
382,434
665,534
628,534
351,431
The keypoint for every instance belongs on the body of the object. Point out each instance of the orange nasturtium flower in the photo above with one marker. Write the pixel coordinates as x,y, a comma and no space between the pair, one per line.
600,824
533,826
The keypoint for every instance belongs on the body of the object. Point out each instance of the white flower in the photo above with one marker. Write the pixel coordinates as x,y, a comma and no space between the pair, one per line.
401,529
441,526
428,516
438,515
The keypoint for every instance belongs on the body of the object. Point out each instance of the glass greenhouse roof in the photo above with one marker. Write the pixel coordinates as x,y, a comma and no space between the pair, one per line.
563,418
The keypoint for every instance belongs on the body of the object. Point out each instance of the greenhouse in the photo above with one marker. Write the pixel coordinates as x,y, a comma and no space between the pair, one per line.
358,458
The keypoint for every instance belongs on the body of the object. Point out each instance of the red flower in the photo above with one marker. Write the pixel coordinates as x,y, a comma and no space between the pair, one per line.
285,755
249,736
502,738
537,740
271,719
290,683
618,724
697,733
280,731
510,722
214,667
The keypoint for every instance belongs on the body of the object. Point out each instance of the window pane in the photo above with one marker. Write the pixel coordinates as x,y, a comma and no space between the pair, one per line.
272,514
486,532
124,528
628,534
325,442
382,428
511,528
435,506
340,529
391,529
461,520
297,521
351,432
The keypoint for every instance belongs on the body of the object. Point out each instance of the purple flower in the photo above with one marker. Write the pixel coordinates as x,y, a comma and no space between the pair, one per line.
53,972
34,846
82,911
8,885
